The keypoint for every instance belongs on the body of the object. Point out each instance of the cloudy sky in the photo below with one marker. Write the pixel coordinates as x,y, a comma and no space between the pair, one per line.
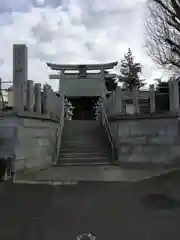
73,31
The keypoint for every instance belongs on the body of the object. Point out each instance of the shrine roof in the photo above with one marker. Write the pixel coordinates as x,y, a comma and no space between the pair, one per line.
86,66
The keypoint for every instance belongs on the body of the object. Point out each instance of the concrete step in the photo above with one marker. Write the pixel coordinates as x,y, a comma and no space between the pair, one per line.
84,160
83,163
82,123
87,149
83,155
83,145
92,134
80,130
84,140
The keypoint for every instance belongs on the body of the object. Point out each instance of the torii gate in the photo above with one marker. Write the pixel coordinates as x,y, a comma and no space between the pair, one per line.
81,71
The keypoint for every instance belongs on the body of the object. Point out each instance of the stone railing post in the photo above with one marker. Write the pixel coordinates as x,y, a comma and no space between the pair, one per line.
108,104
152,98
50,100
175,87
135,99
30,96
60,104
20,66
53,103
45,98
113,110
1,95
51,107
171,105
102,74
62,76
119,100
37,97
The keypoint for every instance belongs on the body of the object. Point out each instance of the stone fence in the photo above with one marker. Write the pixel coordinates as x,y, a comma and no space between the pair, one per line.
142,140
131,102
29,98
43,103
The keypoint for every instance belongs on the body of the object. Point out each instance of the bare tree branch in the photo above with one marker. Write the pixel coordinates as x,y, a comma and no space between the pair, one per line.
163,33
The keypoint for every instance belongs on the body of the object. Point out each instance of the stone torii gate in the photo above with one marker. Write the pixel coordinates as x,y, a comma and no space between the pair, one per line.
82,84
69,74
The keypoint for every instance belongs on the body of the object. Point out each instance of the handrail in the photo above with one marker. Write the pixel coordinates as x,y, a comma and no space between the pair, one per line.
105,123
59,132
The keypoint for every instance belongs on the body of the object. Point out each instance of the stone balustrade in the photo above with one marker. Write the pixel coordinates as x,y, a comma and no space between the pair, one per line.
29,97
120,100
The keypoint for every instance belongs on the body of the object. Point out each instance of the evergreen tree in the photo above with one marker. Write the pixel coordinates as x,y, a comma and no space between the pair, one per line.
130,72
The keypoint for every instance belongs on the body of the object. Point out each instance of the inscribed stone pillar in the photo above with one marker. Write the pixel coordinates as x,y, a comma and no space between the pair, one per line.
30,96
37,97
152,98
20,72
135,99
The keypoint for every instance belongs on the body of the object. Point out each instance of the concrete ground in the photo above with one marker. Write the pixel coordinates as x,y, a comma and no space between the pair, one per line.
109,210
92,173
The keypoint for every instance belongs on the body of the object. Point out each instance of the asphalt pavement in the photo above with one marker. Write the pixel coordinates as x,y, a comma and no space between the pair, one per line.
108,210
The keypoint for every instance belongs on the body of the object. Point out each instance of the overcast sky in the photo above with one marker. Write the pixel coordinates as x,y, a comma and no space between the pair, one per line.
73,31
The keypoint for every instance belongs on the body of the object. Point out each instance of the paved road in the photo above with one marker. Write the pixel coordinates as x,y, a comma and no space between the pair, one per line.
112,211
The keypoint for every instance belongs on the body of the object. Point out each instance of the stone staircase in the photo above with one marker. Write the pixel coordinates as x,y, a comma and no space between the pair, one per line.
84,143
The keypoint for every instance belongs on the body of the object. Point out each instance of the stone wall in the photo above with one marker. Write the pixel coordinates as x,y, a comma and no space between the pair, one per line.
34,143
152,140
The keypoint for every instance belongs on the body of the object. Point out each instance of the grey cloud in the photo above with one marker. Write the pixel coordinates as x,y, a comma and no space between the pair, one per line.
5,19
25,5
14,6
121,17
45,57
1,61
93,22
41,34
51,3
77,32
